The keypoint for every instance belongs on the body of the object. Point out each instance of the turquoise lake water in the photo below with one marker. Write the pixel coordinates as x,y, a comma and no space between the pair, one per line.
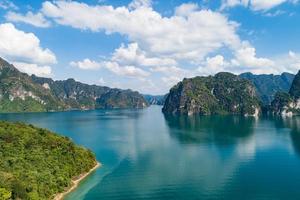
147,155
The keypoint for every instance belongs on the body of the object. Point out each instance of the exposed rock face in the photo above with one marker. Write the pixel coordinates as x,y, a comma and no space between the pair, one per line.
224,93
21,93
268,84
155,99
288,104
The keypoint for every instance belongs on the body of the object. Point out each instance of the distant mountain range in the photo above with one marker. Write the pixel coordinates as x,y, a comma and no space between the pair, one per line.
20,92
155,99
268,84
246,94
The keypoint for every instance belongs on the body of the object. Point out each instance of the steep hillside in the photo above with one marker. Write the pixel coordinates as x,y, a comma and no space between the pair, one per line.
268,84
36,164
22,93
288,104
155,99
219,94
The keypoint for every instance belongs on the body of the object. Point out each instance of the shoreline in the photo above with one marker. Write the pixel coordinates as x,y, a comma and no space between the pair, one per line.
75,183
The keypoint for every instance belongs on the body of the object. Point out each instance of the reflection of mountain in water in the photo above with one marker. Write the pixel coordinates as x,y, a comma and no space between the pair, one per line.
218,129
294,124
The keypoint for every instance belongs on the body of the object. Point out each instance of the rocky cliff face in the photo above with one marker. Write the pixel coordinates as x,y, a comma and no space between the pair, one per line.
288,104
155,99
268,84
22,93
224,93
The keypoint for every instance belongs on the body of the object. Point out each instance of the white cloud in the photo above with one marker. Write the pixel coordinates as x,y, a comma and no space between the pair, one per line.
189,37
162,44
256,5
289,62
16,45
114,67
140,3
7,4
37,19
213,65
265,4
129,71
43,71
186,9
275,14
246,56
86,64
133,55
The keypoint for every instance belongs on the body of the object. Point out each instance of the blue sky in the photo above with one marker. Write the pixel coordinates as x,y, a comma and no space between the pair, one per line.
147,45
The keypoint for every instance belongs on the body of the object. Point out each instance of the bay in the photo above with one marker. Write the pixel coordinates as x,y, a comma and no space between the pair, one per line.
147,155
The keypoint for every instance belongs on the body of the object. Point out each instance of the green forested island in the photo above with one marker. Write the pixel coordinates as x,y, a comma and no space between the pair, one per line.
20,92
219,94
36,164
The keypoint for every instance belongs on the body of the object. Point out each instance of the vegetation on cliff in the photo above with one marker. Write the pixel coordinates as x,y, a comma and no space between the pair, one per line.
288,103
268,84
22,93
224,93
36,164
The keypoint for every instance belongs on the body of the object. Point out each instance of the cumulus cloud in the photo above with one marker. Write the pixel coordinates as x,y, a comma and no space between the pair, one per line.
256,5
289,62
186,9
188,37
86,64
133,55
43,71
114,67
16,45
140,3
213,65
129,71
246,56
37,19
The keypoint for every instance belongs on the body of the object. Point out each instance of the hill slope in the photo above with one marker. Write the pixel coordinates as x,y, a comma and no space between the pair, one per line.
22,93
222,93
288,103
268,84
36,164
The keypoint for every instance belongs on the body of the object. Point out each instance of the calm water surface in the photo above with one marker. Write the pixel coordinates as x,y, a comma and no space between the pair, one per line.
147,155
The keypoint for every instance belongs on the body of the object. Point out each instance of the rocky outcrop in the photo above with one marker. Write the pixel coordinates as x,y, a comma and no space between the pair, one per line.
224,93
267,85
22,93
287,104
155,99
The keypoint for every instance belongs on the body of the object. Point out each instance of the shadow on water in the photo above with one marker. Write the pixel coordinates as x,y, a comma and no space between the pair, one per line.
293,123
222,130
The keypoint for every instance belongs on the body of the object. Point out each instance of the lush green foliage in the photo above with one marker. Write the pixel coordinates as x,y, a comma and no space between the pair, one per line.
268,84
295,88
22,93
36,163
219,94
281,100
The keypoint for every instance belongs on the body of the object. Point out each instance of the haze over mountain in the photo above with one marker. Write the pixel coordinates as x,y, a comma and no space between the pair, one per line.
268,84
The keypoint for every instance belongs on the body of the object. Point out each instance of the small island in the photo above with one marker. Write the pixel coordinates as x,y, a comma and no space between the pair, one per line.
37,164
224,93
